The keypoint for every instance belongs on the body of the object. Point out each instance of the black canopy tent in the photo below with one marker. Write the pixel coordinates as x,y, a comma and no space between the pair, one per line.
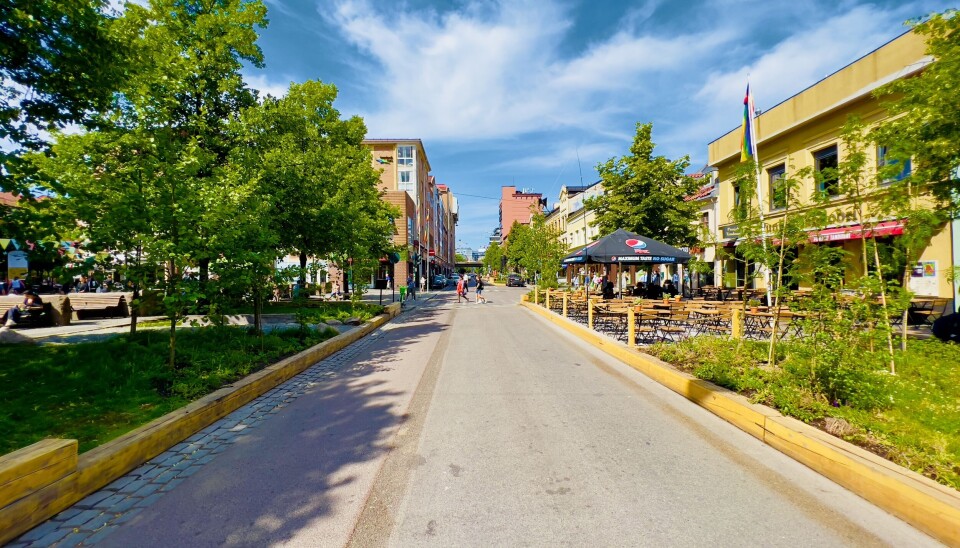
621,247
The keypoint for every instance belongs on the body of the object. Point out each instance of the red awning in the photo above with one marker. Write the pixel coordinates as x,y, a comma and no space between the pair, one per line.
857,232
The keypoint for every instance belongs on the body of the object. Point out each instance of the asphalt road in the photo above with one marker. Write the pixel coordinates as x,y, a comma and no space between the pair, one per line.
482,425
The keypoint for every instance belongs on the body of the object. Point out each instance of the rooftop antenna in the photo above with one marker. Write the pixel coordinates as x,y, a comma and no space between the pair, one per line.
579,166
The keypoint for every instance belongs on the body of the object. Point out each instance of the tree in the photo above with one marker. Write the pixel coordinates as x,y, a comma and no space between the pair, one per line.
493,258
188,88
60,62
538,249
318,175
460,258
165,139
645,194
99,182
513,246
923,129
924,126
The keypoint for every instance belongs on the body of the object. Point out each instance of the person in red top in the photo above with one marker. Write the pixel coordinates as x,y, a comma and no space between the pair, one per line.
461,288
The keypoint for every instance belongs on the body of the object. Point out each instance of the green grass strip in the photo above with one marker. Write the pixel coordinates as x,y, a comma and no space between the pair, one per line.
97,391
911,418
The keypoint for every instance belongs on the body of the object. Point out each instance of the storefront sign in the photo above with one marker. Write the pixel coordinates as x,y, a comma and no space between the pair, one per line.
17,264
731,231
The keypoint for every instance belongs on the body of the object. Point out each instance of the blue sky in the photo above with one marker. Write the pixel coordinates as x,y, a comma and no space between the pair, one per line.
509,92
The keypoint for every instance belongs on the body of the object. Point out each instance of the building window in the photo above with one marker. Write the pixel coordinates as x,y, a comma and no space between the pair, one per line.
406,180
405,156
884,163
705,219
778,187
826,162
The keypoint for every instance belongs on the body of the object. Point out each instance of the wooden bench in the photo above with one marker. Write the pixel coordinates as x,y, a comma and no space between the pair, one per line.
40,316
110,305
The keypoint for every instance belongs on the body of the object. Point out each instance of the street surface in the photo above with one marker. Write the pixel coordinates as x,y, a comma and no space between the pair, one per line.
482,425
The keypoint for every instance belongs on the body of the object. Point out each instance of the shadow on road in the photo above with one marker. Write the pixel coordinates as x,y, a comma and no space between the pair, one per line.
310,462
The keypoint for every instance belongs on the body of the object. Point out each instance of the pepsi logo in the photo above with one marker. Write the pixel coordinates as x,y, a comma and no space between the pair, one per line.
636,244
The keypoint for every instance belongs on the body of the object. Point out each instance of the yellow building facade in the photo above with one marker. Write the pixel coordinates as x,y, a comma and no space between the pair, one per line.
805,132
570,219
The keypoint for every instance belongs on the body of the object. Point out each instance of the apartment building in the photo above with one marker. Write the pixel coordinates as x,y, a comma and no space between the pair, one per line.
805,131
426,227
517,206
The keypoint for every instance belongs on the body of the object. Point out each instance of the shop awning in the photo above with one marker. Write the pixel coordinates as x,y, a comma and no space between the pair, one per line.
857,232
842,233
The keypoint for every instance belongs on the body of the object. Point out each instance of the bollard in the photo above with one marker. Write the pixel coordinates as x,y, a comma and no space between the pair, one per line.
736,323
590,313
566,297
631,327
536,295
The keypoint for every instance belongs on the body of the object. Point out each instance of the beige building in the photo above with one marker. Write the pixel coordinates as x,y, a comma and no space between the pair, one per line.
805,131
570,219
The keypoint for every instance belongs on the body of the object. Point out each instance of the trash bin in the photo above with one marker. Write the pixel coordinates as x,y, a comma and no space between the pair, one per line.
403,293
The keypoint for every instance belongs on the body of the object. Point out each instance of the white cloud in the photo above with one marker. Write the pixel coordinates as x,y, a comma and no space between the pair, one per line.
265,86
496,72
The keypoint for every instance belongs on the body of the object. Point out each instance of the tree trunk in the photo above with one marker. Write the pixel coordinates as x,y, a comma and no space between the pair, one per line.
303,270
135,305
134,308
883,302
906,309
174,287
204,277
258,312
776,296
173,340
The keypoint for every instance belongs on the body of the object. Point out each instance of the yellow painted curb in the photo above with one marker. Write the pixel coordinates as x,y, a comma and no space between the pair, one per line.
101,465
918,500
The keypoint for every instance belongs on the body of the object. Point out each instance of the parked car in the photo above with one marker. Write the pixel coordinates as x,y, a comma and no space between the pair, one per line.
438,282
514,280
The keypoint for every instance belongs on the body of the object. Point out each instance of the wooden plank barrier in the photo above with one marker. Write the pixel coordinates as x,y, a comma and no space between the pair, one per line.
35,467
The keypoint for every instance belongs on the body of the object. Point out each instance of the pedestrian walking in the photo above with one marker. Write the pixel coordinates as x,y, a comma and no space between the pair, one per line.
411,288
480,298
461,283
423,283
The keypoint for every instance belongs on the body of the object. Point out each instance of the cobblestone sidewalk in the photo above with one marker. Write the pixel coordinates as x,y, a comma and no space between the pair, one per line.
96,516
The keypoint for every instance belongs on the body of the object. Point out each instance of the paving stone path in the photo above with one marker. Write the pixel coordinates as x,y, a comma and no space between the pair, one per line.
98,515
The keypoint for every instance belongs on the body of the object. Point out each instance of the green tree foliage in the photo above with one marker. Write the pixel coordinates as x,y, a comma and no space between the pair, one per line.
60,61
537,249
924,125
314,170
645,194
493,258
101,183
513,246
186,90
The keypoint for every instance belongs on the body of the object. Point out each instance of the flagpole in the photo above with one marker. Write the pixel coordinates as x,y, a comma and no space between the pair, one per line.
756,160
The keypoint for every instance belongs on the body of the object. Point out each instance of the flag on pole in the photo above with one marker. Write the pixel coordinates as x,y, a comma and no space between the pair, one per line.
748,146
